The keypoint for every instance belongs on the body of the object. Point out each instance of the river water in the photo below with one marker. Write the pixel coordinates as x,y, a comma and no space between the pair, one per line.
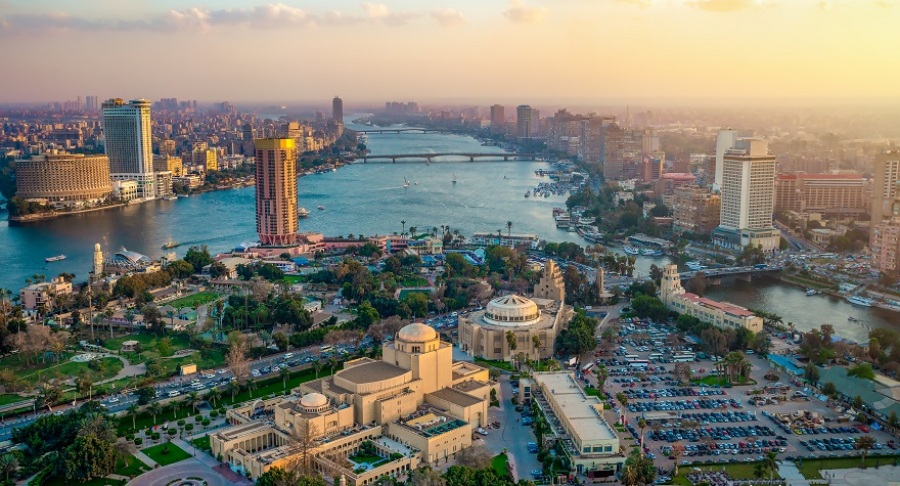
369,199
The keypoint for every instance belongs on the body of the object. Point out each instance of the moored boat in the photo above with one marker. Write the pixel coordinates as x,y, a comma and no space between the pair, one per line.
55,258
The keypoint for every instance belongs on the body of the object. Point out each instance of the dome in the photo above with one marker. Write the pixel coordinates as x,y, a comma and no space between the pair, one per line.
313,400
416,333
512,310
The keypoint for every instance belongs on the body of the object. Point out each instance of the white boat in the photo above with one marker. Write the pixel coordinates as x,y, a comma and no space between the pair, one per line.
860,301
454,178
811,292
55,258
649,252
405,182
171,197
631,250
303,212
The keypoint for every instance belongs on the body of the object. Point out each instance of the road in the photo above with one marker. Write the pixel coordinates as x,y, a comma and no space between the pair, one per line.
512,435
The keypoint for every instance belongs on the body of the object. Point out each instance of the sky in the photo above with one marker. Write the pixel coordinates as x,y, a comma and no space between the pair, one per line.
449,50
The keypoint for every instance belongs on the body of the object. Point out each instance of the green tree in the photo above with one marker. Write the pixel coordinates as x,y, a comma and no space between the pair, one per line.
198,257
862,370
866,443
49,394
89,457
811,373
830,389
180,269
638,470
417,303
770,463
511,340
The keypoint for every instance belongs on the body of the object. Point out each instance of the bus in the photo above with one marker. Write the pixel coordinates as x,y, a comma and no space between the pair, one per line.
639,363
587,367
631,357
655,356
683,358
326,349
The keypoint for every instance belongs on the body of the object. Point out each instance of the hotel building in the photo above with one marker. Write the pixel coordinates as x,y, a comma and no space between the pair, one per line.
128,143
884,187
820,193
64,180
276,192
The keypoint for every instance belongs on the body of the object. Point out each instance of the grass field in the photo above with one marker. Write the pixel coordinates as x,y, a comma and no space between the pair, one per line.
810,469
743,470
503,365
721,381
190,300
214,359
172,455
68,369
500,463
406,293
202,443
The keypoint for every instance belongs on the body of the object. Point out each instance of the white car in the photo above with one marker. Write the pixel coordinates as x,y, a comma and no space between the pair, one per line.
481,431
113,400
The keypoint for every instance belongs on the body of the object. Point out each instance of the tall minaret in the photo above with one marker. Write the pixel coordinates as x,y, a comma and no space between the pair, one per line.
98,261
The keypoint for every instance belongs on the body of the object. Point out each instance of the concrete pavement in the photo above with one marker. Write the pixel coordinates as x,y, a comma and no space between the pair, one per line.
512,435
189,468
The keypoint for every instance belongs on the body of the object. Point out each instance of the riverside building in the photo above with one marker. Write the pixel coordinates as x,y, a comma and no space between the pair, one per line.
64,180
276,192
723,315
128,143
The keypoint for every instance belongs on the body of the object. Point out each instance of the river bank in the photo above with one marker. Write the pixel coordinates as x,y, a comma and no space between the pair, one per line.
38,217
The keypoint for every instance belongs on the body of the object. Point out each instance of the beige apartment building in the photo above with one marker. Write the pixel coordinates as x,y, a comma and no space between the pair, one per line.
820,193
276,192
695,210
64,179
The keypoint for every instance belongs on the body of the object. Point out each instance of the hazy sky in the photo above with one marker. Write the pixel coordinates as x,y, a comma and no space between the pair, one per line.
480,50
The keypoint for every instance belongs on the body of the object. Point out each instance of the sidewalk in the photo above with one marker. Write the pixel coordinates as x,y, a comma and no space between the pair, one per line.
201,456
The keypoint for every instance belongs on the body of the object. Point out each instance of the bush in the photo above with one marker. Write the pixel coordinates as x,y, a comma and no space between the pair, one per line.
189,427
221,410
172,431
138,441
214,414
206,422
198,418
154,436
181,423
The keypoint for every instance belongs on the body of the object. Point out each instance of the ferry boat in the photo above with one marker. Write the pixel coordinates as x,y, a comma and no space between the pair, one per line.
321,208
649,252
55,258
631,250
170,245
811,292
303,212
171,197
860,301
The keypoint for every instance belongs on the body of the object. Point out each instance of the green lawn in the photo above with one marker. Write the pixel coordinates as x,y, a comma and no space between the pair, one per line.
7,398
132,468
365,458
721,381
414,282
406,293
202,443
68,369
215,358
594,392
811,467
166,454
500,463
496,363
190,300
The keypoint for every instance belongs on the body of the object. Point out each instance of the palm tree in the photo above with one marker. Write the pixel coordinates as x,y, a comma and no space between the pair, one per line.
865,443
284,376
8,464
233,387
403,222
133,410
332,363
175,406
214,395
509,228
770,462
641,425
192,400
318,365
109,313
536,342
154,410
412,231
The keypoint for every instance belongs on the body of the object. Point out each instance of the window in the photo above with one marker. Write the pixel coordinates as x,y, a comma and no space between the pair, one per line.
416,349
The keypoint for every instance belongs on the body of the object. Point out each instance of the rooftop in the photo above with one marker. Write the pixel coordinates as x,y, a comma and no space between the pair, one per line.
371,371
726,307
456,397
582,411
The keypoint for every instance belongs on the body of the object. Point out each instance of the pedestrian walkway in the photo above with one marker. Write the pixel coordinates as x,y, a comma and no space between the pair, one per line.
792,476
200,455
145,459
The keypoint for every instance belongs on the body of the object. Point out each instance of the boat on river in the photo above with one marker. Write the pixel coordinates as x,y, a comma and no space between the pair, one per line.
631,250
811,292
55,258
303,212
860,301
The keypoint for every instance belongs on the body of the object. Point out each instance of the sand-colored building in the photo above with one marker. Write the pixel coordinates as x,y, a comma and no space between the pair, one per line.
414,405
61,179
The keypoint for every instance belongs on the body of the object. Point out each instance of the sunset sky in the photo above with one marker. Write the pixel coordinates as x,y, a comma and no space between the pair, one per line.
454,50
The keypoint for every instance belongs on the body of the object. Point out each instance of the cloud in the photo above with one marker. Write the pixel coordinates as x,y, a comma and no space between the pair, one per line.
448,17
380,12
201,19
521,14
722,5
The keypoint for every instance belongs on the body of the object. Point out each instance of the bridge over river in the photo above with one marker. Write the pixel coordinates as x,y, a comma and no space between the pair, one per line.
437,156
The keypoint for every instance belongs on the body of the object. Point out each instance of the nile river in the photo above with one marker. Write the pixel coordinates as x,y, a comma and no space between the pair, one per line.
366,199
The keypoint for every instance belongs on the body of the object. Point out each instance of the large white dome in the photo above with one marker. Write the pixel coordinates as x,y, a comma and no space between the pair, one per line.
512,311
416,333
313,400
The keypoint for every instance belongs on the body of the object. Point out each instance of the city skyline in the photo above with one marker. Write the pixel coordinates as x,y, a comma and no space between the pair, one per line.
715,50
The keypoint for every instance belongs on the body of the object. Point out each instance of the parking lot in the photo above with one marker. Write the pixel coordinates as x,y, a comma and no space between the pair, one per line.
711,423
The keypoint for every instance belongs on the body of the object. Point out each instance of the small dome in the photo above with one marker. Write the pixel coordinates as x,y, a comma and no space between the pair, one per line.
512,310
313,400
416,333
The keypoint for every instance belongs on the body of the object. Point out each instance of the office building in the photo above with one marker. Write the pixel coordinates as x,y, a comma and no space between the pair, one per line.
748,198
884,241
527,121
653,165
128,144
723,315
884,187
498,119
168,163
90,103
413,406
725,140
276,191
64,180
695,210
838,194
337,109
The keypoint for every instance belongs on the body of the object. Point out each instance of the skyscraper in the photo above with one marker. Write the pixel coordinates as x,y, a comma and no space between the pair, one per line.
126,129
748,197
526,121
498,119
276,191
337,109
884,188
724,140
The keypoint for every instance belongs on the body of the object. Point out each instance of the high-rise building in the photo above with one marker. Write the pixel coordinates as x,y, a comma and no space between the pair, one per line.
841,194
128,143
653,167
884,187
498,119
527,120
695,210
70,180
748,197
725,140
276,191
337,109
98,261
884,241
90,103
